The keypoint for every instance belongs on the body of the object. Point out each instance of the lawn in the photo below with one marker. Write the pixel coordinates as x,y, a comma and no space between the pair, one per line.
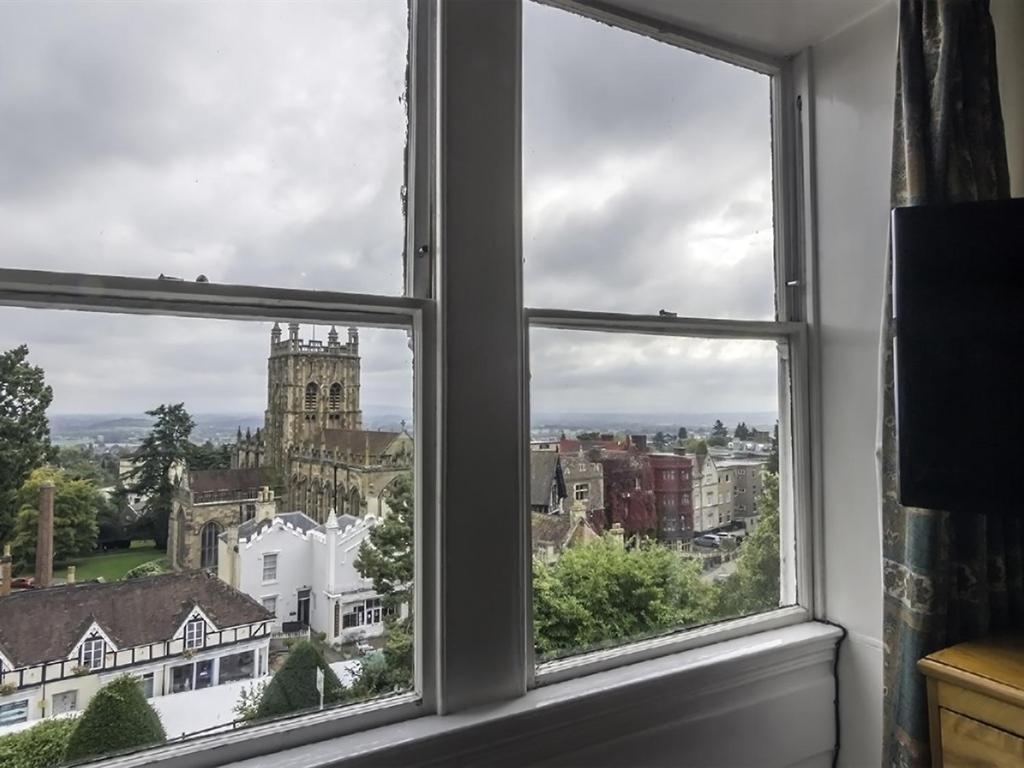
112,566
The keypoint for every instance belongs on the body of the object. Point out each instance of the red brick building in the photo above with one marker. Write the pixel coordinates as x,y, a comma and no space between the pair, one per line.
629,492
672,480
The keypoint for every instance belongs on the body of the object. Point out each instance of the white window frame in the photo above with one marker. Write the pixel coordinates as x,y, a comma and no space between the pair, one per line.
577,488
790,330
91,658
263,567
195,640
464,202
272,599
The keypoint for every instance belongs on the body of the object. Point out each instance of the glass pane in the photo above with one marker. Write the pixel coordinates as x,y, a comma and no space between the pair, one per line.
186,455
647,179
653,485
257,143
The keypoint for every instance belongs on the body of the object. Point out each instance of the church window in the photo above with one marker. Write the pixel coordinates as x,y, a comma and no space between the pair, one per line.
208,545
312,392
334,397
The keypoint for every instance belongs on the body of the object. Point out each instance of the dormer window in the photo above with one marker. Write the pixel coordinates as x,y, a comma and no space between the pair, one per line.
195,634
91,655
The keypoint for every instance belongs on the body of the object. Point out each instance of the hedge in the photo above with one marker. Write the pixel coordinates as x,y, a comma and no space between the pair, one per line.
41,746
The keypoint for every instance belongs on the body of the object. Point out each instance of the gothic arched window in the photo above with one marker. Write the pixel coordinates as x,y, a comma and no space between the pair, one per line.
312,391
208,545
334,397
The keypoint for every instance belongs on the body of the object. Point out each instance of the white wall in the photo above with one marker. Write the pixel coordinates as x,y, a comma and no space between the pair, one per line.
294,569
854,75
854,82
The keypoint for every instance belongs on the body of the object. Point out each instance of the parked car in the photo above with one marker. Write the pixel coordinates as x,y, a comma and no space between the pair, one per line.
707,540
23,582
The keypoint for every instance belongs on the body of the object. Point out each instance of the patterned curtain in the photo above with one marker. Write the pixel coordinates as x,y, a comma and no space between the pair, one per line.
947,578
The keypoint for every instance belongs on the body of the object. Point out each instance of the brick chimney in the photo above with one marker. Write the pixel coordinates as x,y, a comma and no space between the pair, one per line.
5,571
44,540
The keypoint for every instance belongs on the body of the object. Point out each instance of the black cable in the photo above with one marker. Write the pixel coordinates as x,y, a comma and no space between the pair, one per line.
835,677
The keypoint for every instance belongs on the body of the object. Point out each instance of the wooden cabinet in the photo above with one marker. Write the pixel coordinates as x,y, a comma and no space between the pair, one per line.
976,703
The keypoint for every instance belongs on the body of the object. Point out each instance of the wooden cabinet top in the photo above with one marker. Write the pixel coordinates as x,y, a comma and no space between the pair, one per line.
994,667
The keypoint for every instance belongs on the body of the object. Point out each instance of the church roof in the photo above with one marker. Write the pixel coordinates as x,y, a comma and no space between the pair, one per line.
38,625
358,441
206,480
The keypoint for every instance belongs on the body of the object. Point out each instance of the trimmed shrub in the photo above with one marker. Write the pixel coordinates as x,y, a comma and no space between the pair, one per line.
117,718
152,568
41,746
293,688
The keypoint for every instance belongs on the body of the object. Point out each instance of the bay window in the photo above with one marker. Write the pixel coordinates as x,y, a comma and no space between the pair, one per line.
587,274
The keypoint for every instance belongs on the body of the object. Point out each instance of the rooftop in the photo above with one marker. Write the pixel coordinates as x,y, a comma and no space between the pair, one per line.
38,625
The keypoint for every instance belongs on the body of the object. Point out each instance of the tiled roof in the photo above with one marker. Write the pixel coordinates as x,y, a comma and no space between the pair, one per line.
356,441
38,625
207,480
559,531
543,469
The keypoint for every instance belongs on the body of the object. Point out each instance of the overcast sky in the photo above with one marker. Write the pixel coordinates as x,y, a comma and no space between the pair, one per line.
262,143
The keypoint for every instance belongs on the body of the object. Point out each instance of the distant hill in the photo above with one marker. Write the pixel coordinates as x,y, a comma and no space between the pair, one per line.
127,429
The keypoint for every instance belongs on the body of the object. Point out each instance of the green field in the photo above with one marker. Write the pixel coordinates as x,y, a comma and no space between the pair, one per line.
111,566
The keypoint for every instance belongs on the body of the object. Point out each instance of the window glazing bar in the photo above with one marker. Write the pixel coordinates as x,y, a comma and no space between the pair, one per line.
663,325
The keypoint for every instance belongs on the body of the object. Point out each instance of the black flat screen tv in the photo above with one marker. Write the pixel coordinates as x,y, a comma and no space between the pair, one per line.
958,296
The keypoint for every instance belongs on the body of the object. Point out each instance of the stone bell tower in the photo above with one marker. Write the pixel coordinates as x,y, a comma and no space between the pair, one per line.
311,386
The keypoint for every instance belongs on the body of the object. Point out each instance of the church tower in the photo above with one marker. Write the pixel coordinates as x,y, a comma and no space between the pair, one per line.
311,386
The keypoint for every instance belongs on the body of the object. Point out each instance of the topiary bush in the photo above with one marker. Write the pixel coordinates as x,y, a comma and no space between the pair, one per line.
117,718
41,746
293,688
152,568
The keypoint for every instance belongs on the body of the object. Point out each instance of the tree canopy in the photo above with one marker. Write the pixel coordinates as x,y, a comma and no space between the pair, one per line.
754,587
387,558
601,591
75,507
742,431
681,434
207,456
117,718
24,428
167,443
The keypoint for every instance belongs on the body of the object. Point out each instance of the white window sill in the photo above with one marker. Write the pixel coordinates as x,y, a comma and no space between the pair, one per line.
646,686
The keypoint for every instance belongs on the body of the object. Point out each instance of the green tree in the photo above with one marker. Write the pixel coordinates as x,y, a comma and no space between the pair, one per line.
773,454
118,718
41,746
660,439
718,429
742,431
24,428
293,688
386,557
75,505
208,456
166,444
754,587
601,592
697,446
681,434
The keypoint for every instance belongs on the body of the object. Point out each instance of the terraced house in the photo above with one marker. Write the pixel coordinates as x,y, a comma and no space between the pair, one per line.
174,632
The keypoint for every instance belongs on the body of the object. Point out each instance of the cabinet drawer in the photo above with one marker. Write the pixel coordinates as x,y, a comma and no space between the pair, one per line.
967,742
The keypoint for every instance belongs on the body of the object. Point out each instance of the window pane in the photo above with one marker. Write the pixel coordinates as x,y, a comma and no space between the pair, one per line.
647,180
157,505
255,144
667,533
